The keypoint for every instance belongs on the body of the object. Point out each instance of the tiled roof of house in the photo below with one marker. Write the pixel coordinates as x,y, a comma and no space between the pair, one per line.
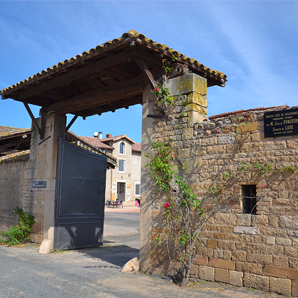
19,156
96,142
116,138
240,112
137,147
126,37
6,130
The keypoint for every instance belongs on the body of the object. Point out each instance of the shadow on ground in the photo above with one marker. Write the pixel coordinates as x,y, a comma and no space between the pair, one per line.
116,255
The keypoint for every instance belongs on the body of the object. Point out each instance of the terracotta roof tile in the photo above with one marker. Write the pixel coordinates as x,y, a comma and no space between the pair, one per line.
6,130
96,142
116,138
126,37
137,147
19,156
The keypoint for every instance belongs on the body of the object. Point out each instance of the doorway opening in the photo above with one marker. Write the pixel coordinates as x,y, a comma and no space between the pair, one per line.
121,191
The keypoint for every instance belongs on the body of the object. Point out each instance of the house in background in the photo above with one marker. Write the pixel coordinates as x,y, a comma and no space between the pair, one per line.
123,182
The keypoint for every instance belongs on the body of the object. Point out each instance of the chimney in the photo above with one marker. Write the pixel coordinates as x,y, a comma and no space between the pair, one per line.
109,135
95,134
100,135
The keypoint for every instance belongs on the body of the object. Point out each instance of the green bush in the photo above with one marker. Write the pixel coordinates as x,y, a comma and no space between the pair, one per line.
21,232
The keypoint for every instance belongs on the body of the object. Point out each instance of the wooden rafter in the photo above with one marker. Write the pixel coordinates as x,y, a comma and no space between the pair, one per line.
98,96
71,76
125,103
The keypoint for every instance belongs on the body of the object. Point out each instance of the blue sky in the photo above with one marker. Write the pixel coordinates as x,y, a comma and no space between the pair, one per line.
254,42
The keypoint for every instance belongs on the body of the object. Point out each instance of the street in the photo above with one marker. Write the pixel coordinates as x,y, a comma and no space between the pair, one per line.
96,272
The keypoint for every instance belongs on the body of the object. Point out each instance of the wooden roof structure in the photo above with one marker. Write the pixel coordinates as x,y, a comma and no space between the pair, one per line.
106,78
13,140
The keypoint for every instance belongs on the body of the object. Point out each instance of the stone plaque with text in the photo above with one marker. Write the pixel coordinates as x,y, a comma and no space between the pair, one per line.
281,123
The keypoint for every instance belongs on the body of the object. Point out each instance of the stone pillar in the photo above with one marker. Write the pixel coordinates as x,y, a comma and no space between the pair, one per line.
43,167
195,88
193,103
146,182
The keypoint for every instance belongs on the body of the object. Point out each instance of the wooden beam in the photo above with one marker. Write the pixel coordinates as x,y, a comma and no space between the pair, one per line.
52,95
71,122
120,89
14,143
8,151
32,117
101,99
146,71
125,103
117,73
154,61
76,74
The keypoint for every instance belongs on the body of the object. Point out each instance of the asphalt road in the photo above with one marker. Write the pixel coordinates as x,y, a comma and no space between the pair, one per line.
95,272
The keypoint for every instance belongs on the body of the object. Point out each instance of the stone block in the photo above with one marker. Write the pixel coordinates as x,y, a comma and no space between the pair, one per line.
280,285
291,251
293,233
225,140
219,263
275,145
247,230
226,245
294,288
208,252
236,278
239,256
218,253
292,144
260,259
218,149
187,84
270,240
225,219
46,246
251,147
256,282
280,261
259,220
274,271
194,270
221,275
249,267
200,260
131,266
243,220
274,232
283,241
289,222
211,243
227,255
273,221
206,273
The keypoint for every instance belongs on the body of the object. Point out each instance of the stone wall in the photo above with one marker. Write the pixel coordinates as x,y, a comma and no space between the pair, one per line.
258,251
11,185
17,176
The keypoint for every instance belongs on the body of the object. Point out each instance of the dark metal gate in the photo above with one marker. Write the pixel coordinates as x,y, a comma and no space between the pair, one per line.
80,197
